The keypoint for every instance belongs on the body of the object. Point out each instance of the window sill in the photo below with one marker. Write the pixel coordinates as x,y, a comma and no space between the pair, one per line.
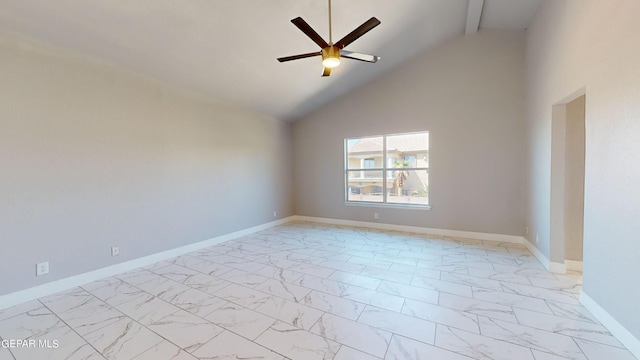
388,206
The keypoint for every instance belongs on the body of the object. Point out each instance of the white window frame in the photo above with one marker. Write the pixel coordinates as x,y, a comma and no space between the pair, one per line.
385,171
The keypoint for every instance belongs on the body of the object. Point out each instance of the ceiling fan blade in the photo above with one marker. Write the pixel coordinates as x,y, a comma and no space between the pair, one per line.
305,28
301,56
359,56
355,34
326,72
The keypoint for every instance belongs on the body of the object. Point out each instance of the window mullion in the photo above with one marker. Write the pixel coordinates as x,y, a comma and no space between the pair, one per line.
384,169
346,170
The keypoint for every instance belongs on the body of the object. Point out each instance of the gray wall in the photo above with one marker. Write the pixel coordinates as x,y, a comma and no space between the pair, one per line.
469,94
567,180
574,180
94,156
589,44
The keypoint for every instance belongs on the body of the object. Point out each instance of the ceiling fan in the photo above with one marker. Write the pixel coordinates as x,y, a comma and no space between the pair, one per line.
331,53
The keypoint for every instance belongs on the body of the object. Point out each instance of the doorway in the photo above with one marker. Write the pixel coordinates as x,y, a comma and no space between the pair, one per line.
567,182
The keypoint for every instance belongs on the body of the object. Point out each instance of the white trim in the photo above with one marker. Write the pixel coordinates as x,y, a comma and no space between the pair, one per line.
414,229
557,268
574,265
620,332
554,267
53,287
474,12
388,205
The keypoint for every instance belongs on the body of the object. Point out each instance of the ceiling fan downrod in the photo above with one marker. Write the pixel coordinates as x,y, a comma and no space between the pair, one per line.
330,29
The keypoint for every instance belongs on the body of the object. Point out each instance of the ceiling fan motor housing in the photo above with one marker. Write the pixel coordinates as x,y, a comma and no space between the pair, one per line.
331,56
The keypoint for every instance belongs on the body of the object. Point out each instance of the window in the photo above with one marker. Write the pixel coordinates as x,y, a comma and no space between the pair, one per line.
369,163
388,169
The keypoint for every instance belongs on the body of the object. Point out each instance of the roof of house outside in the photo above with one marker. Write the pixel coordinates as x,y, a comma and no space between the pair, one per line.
399,143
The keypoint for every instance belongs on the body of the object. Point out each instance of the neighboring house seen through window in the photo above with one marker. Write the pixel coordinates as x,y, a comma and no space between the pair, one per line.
388,169
369,163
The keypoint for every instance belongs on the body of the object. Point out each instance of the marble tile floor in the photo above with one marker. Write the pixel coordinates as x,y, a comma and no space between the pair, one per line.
305,291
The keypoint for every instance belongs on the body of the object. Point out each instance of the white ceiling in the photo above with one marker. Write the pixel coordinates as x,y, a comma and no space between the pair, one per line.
227,49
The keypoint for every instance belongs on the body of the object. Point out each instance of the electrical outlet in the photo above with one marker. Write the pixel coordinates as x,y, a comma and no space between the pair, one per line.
42,268
376,216
275,213
115,250
537,239
526,230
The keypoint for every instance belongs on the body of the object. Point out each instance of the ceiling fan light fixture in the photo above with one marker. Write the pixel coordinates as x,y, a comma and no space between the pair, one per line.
332,52
330,57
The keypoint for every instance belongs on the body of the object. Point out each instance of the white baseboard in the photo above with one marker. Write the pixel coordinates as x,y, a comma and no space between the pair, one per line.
414,229
620,332
53,287
573,265
557,268
552,266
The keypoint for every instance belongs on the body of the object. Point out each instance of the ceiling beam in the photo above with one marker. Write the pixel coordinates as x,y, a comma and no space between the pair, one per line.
474,12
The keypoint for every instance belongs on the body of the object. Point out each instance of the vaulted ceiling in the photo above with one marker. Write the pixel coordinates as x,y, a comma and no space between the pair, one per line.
227,49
